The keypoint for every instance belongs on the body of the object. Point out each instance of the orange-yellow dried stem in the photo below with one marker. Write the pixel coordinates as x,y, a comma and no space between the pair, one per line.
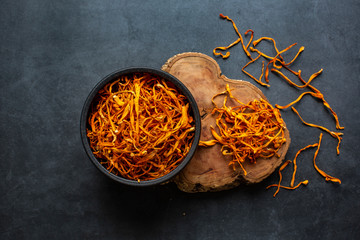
215,96
274,59
296,56
234,25
295,164
305,182
240,39
326,104
336,135
294,84
298,74
208,143
228,91
277,51
282,62
322,173
225,48
280,176
251,76
260,53
315,90
262,71
316,95
251,37
217,136
256,42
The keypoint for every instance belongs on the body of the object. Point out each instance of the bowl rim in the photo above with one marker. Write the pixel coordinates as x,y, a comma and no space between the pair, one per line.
113,76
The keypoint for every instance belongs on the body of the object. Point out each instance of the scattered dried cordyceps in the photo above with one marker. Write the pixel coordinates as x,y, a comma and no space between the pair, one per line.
278,63
247,131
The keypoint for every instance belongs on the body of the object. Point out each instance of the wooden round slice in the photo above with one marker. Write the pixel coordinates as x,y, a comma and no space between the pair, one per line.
209,170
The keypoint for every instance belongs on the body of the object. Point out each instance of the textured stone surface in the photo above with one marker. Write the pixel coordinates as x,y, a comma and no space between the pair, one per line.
53,52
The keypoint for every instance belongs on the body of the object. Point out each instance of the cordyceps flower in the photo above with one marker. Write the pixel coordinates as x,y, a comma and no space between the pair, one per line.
247,131
140,127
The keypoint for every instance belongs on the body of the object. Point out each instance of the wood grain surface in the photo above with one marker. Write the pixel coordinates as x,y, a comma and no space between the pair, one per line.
209,170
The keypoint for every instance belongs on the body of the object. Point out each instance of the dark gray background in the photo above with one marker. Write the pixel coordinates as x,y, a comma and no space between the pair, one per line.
53,52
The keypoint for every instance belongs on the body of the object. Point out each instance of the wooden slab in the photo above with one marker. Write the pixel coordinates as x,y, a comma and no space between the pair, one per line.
208,170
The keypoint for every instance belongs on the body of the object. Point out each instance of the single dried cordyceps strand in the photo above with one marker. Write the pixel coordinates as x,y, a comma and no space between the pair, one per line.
305,182
240,39
280,175
292,187
322,173
294,84
225,48
336,135
140,127
247,131
295,163
251,38
316,95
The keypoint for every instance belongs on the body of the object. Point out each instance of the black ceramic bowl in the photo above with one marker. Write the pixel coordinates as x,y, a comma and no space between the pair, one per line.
114,76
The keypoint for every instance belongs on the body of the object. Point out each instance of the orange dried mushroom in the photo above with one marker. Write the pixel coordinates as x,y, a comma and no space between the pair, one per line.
140,127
